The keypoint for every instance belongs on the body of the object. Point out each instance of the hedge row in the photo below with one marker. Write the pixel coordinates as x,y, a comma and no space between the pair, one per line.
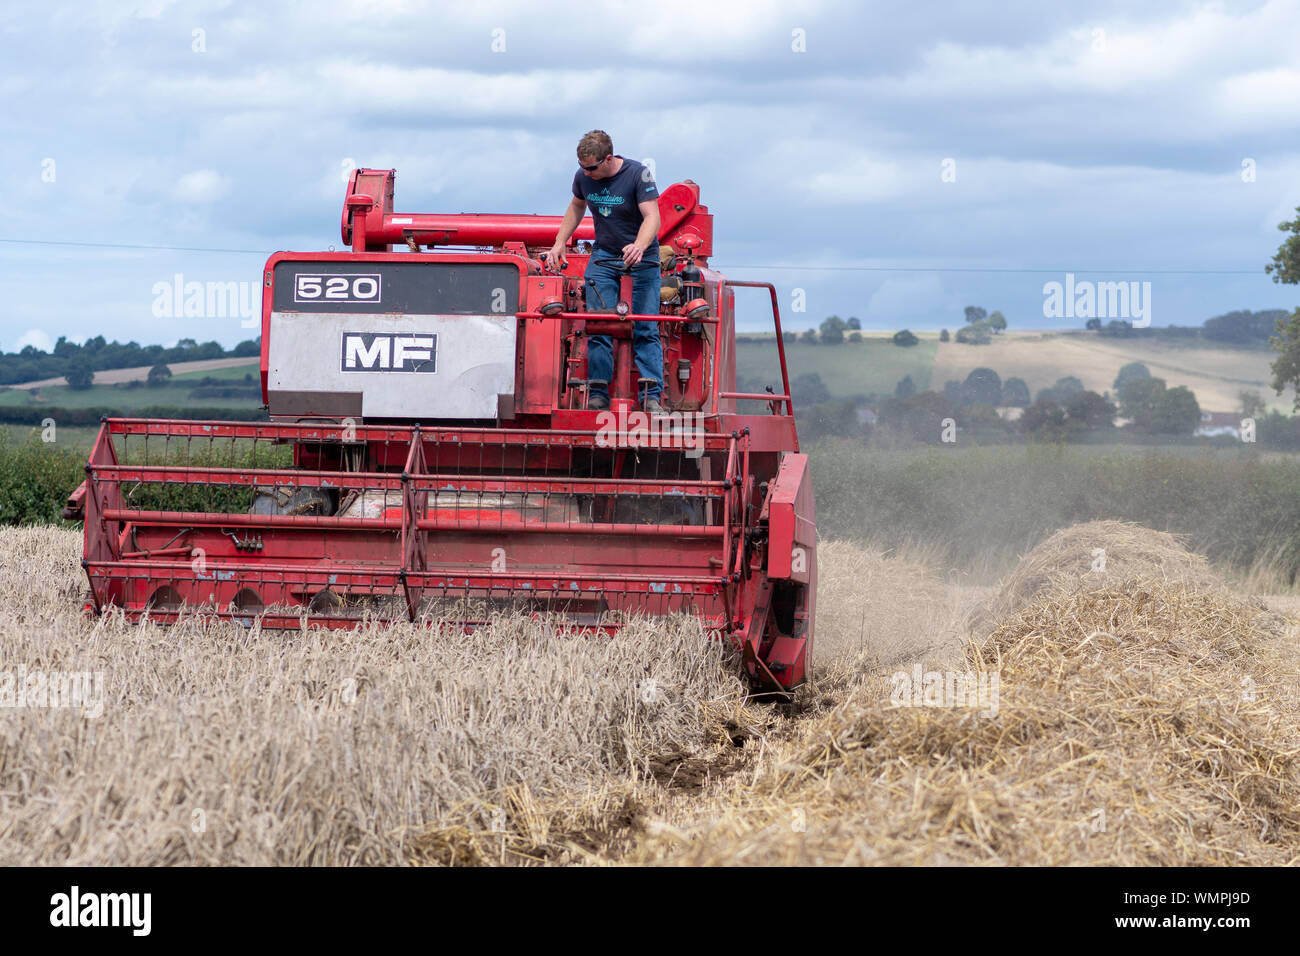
36,479
26,415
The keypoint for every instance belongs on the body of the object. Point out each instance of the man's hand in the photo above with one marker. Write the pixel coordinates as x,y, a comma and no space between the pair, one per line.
632,254
556,257
572,216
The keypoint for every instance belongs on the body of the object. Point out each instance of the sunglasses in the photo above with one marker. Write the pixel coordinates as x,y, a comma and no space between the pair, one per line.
595,165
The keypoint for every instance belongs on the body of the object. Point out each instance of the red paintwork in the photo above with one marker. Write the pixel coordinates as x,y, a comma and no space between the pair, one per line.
556,508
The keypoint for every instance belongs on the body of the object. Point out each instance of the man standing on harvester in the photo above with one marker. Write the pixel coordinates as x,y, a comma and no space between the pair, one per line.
624,207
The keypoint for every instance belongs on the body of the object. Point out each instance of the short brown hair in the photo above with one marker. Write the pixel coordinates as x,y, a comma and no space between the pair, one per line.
595,145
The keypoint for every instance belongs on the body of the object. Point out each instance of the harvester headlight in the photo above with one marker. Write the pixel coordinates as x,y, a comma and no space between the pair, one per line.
696,309
551,306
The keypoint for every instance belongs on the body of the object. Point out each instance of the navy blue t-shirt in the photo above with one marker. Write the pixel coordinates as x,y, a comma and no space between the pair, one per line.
613,205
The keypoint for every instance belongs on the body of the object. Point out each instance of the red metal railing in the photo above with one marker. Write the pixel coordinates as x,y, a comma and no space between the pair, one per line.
784,397
162,535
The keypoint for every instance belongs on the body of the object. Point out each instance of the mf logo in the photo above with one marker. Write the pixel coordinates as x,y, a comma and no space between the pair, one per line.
390,352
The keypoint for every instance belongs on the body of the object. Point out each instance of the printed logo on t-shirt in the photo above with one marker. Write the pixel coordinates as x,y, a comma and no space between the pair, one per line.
603,202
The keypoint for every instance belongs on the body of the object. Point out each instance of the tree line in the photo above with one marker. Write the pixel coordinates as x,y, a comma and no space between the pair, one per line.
1240,327
1064,411
95,354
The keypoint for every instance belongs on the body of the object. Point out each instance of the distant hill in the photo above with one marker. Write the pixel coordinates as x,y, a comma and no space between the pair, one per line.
1215,370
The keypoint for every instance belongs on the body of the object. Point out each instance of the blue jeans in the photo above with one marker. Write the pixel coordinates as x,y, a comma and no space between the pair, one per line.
605,269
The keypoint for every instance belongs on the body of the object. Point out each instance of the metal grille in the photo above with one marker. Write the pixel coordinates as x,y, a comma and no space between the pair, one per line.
332,525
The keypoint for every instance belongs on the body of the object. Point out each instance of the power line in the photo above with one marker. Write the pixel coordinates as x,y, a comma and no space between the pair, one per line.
799,268
1135,272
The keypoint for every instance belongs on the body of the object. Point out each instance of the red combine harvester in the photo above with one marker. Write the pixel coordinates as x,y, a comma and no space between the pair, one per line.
431,457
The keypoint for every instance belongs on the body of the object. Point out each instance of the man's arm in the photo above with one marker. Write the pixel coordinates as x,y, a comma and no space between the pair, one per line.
572,217
647,234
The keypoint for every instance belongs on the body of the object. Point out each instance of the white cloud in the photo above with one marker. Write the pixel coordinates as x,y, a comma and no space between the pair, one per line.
200,186
1261,96
1180,78
36,337
859,179
670,31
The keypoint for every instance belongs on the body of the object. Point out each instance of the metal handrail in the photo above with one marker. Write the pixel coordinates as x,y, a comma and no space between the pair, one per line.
780,339
616,317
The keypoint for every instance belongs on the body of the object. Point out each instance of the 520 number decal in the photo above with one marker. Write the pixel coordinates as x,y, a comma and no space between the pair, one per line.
352,287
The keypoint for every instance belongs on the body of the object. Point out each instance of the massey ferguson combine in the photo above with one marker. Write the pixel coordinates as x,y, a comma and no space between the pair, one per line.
430,455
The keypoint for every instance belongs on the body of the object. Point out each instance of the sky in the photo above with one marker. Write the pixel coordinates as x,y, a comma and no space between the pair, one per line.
893,162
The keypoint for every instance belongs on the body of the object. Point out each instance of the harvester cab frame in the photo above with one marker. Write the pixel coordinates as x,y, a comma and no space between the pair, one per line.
431,456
